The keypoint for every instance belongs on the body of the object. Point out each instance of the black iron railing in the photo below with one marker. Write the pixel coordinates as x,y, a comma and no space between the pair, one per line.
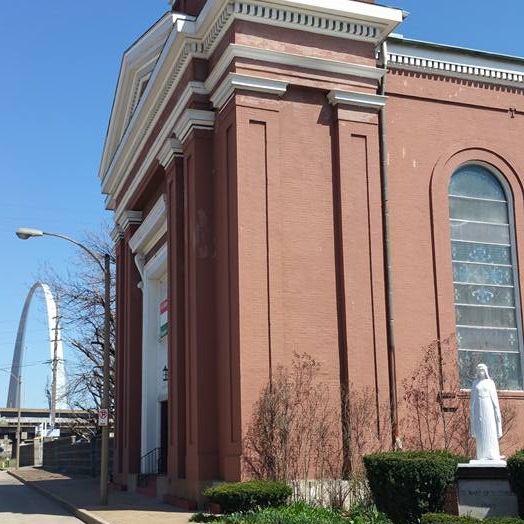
154,462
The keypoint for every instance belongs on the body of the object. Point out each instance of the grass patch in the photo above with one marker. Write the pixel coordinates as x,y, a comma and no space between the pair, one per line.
298,513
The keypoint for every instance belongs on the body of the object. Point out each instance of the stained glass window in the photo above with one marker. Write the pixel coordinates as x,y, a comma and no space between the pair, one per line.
487,314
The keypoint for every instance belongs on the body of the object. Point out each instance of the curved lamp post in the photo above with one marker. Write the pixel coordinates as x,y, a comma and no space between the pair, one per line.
18,433
24,233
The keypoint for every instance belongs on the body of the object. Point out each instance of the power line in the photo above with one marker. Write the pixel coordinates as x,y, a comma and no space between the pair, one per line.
28,364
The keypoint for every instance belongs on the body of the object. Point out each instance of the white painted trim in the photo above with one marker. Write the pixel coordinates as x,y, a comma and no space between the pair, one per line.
142,55
128,218
171,148
235,81
117,234
157,265
193,119
153,227
167,130
359,10
171,65
354,98
154,351
140,261
454,62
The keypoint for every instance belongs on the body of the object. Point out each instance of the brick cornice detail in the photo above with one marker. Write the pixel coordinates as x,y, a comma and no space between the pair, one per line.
129,218
172,147
235,81
117,234
193,119
353,98
444,67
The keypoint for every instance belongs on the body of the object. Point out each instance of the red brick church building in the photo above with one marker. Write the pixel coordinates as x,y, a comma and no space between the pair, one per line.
288,176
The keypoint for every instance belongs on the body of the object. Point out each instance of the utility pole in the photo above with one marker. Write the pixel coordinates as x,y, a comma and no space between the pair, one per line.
104,449
54,366
18,432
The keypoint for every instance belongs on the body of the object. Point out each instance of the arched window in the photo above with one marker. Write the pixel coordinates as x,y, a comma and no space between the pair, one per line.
487,302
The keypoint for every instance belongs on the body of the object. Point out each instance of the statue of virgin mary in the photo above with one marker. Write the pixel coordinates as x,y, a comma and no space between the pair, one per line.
486,422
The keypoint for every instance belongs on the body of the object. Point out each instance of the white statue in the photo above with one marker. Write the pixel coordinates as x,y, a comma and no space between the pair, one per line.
486,422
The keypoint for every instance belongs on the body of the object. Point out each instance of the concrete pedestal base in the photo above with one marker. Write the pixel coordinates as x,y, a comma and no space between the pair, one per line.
484,491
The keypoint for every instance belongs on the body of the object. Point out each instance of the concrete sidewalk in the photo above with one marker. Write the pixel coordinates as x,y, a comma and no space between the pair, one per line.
80,495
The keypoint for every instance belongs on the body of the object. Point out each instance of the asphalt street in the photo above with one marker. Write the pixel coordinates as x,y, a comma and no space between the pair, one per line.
20,504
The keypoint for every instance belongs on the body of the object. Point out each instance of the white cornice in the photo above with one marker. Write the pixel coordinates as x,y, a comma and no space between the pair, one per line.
289,59
138,62
342,18
454,62
235,81
167,130
171,148
354,98
117,234
156,267
193,119
151,230
128,218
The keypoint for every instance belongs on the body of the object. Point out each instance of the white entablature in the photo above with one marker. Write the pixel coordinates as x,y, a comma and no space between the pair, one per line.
455,62
189,37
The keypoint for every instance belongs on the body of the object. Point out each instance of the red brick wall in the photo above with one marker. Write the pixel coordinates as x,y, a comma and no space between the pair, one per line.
434,125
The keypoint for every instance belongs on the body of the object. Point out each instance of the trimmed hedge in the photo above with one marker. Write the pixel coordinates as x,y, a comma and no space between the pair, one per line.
516,473
443,518
407,484
246,496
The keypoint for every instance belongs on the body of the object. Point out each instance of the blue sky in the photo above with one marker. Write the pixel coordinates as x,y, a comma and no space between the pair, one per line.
59,67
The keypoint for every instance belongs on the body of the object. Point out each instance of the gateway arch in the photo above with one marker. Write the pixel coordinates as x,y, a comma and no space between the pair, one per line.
54,337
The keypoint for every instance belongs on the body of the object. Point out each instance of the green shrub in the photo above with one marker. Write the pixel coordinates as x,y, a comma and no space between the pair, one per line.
444,518
246,496
502,520
407,484
516,472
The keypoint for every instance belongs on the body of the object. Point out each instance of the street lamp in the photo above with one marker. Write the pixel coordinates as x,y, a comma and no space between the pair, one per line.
24,233
18,433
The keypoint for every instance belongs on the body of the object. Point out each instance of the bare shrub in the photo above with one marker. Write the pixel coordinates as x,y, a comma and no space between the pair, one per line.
291,430
296,433
437,411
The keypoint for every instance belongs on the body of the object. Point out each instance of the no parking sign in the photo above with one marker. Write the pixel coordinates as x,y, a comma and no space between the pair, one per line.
103,417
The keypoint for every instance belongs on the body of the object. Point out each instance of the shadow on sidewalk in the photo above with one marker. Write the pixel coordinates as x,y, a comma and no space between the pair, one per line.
15,499
83,493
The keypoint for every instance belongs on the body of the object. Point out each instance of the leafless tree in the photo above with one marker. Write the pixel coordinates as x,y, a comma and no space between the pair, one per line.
81,295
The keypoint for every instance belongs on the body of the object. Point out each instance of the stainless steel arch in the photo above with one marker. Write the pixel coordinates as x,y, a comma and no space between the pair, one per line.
18,354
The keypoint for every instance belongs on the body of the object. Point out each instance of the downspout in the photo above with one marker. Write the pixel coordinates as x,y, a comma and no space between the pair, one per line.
388,288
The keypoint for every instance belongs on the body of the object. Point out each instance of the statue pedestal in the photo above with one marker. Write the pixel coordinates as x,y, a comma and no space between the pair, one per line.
484,491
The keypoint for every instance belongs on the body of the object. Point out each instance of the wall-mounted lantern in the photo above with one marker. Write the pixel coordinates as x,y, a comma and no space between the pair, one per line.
164,374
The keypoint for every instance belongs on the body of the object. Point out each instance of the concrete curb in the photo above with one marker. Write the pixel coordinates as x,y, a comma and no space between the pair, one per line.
85,516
